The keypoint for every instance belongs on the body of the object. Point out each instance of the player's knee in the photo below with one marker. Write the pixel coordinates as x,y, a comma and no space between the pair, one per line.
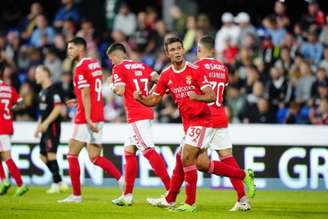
202,166
224,153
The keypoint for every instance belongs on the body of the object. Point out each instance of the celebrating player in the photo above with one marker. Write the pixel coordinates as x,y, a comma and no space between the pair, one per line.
217,75
88,121
50,103
191,92
8,98
129,76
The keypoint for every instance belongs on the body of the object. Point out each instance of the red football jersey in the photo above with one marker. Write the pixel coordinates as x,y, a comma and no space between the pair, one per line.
217,75
178,84
88,73
8,98
135,76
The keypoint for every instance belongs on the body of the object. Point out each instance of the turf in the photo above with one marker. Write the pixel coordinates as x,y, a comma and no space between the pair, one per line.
211,204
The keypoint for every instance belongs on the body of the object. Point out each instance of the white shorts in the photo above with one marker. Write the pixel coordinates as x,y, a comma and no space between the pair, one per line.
82,133
140,135
199,136
5,143
221,139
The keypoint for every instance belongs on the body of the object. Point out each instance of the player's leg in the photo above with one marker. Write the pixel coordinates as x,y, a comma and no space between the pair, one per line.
94,151
228,166
175,185
14,172
58,185
2,172
141,131
75,145
130,174
242,203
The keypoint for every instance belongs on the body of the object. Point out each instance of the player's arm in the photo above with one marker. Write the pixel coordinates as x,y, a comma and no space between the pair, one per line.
52,117
86,102
18,105
151,100
208,95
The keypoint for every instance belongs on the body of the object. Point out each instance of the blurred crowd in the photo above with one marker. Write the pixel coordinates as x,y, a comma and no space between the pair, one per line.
278,68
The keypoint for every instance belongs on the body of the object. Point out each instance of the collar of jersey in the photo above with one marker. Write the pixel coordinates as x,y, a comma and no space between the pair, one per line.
82,60
181,70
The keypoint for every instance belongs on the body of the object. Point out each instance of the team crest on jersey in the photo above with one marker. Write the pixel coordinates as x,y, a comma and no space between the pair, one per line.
138,73
188,79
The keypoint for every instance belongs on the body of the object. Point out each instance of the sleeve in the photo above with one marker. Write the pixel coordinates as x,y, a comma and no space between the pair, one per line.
118,77
161,86
201,78
82,78
57,97
150,71
15,98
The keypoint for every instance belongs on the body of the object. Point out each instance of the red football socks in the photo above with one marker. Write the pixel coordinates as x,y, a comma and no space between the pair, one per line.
2,172
130,171
222,169
190,174
157,163
14,172
108,166
236,183
74,173
176,180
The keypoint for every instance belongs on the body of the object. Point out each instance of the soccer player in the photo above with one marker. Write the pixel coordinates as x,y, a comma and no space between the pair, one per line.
217,75
50,104
89,118
191,92
8,98
129,76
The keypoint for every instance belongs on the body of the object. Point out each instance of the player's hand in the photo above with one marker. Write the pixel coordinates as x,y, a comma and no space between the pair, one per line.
192,95
71,103
42,127
137,95
93,127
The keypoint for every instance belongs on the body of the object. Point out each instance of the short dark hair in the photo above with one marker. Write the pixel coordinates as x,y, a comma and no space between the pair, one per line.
114,47
79,41
2,68
207,41
46,69
171,40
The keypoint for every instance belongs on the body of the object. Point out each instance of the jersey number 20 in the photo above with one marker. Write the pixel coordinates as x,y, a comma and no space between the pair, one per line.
218,88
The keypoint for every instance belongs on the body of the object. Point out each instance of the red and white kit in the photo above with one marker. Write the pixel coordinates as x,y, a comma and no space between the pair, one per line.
8,98
88,73
136,76
195,115
217,75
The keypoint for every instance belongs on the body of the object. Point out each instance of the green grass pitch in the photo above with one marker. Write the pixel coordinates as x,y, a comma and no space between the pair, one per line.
211,204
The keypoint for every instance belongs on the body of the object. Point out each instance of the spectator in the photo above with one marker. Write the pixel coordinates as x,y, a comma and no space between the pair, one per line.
320,116
276,30
88,33
303,87
279,89
312,49
54,64
314,15
125,21
246,28
42,32
228,31
324,33
189,39
29,22
143,39
262,113
204,25
29,111
324,63
67,11
280,13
